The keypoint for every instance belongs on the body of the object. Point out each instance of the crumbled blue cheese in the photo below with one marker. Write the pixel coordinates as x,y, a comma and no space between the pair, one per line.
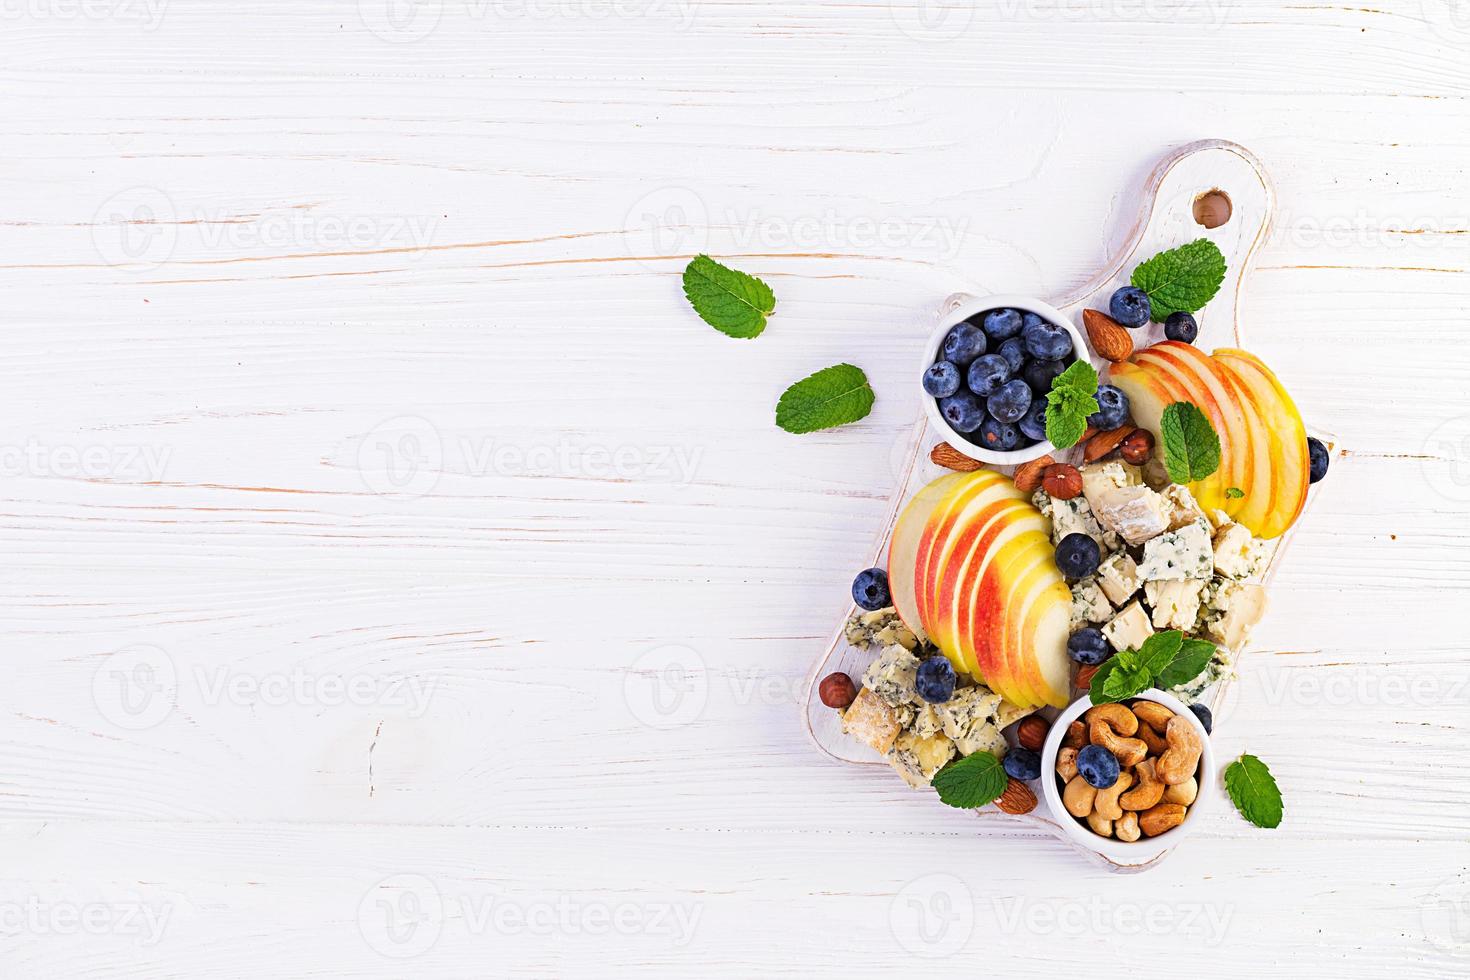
879,628
1136,514
1118,577
1233,610
1098,478
1218,669
892,676
1129,628
927,723
917,758
1175,603
1238,554
1185,553
1089,604
1074,517
973,719
1183,508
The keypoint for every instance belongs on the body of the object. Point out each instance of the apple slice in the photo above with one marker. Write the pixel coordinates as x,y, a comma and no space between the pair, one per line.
1286,449
1005,613
903,549
937,536
981,531
982,607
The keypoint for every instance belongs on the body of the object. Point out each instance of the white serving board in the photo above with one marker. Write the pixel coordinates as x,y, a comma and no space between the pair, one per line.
1166,219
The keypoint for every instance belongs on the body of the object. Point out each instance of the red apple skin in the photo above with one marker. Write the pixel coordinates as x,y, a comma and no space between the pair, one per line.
984,606
903,549
980,529
937,536
1008,606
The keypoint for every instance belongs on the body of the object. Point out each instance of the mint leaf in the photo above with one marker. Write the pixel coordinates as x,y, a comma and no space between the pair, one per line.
1181,279
1158,651
1234,493
833,396
1068,404
971,781
1191,447
1254,792
728,300
1124,682
1191,660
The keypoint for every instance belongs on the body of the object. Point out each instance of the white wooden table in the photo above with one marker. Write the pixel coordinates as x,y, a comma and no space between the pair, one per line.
368,483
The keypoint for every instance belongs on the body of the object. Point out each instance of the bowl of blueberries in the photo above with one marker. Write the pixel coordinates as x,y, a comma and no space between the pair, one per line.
988,370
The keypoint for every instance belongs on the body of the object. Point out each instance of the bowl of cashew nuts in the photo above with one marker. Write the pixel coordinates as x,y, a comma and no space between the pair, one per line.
1164,761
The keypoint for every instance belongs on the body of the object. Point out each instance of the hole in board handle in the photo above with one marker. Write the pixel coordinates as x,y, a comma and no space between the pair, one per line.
1212,208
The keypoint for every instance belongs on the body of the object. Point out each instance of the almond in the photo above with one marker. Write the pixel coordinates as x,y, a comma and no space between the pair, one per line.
1109,338
1017,798
1084,678
943,454
1028,475
1105,442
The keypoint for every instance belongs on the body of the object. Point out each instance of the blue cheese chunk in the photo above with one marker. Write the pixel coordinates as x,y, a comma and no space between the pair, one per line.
1219,668
1098,478
1118,577
1175,603
1185,553
1074,517
973,719
1135,514
1089,604
1239,555
892,676
879,628
1128,629
1183,508
917,758
926,723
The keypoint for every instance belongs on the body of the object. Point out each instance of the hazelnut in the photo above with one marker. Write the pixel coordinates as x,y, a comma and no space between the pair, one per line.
837,691
1138,448
1031,733
1062,481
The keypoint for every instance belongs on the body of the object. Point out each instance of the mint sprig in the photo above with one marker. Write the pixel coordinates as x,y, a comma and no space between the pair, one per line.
1071,399
971,781
833,396
1191,446
734,303
1182,279
1234,493
1254,792
1164,660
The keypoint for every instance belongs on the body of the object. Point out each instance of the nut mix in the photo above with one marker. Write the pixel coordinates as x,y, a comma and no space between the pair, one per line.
1150,779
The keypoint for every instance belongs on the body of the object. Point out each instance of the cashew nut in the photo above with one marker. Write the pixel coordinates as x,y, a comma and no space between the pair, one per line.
1182,758
1076,736
1184,793
1157,744
1106,722
1149,790
1126,829
1100,825
1078,797
1152,714
1106,804
1161,818
1067,764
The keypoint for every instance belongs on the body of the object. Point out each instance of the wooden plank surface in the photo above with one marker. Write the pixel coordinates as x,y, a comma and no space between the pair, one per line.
354,408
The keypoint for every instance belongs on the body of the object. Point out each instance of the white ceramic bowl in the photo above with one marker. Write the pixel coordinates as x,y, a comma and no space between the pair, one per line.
931,351
1079,832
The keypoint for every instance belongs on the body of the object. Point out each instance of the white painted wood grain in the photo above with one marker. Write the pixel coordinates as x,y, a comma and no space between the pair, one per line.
343,231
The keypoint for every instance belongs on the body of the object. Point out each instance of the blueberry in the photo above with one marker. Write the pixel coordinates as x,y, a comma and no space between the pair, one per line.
963,344
1129,306
1001,324
1014,351
1317,453
1040,374
1010,402
1181,326
998,435
1078,555
870,589
1112,409
942,379
1033,423
1087,647
1047,341
1205,717
963,411
987,374
1022,764
935,680
1098,766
